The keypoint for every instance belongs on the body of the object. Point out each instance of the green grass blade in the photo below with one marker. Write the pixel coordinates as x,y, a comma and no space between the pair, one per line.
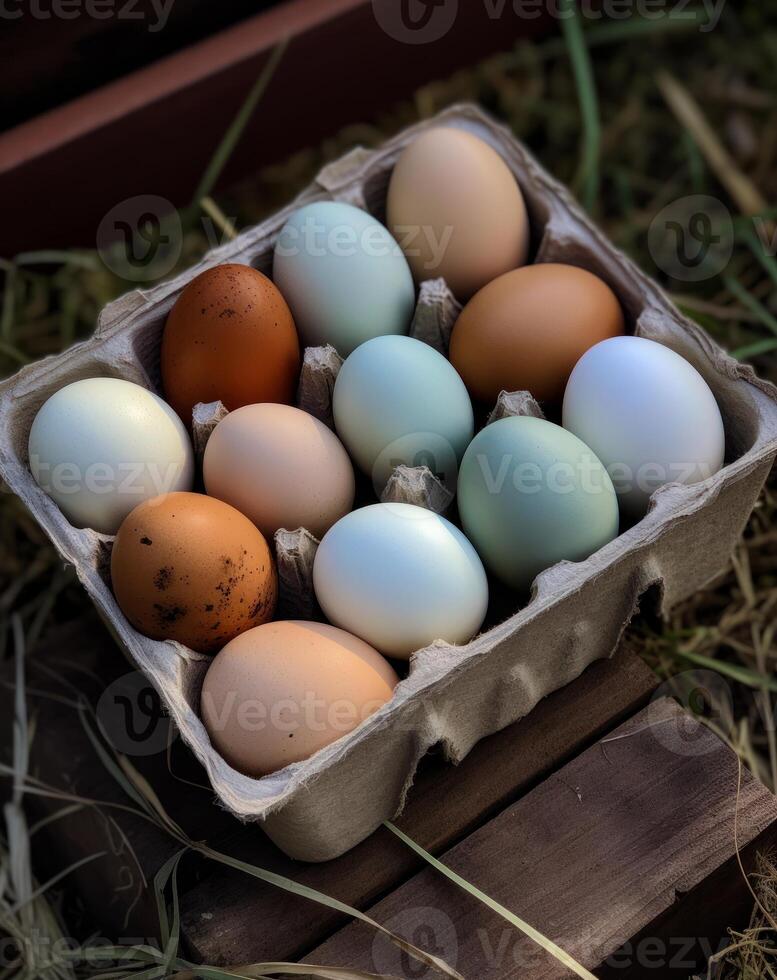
174,936
217,973
235,131
633,29
588,176
52,256
751,303
548,945
754,349
161,879
737,672
260,971
151,974
759,250
64,811
636,28
121,954
9,304
303,891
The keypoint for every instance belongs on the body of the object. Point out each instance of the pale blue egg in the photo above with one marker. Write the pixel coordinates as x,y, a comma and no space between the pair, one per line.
399,401
400,577
343,275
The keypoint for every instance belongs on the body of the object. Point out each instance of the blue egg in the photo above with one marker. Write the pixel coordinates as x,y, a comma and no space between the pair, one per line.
343,275
398,401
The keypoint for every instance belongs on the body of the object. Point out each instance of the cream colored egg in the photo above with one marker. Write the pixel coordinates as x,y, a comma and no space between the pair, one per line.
101,446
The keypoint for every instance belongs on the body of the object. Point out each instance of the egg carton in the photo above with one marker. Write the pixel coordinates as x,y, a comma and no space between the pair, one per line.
453,695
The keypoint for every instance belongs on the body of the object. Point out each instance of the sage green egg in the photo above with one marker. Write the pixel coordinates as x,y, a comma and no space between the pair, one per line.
531,494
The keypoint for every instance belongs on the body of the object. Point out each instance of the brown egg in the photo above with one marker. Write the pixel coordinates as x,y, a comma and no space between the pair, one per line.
282,691
526,330
280,467
230,337
457,211
190,568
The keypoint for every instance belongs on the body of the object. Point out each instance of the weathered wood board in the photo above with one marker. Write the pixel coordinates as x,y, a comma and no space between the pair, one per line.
595,854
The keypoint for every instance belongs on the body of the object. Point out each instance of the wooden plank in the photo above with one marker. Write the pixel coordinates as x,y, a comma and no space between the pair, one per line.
159,125
680,941
228,917
593,855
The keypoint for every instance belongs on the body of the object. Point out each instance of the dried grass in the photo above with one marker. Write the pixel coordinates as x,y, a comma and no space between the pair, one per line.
752,954
628,160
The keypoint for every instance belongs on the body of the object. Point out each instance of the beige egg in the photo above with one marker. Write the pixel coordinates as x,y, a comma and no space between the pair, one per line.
280,692
457,211
280,467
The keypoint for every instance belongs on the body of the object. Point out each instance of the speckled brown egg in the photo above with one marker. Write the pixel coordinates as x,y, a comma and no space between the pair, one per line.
230,337
191,568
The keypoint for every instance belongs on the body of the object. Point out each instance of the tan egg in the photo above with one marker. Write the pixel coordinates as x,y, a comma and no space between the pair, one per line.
190,568
230,337
457,211
280,467
526,330
280,692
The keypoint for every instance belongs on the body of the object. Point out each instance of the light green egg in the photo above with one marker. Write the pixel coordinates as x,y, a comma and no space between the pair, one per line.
531,494
343,275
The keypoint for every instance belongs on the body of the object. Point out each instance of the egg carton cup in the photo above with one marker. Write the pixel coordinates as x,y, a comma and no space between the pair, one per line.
454,695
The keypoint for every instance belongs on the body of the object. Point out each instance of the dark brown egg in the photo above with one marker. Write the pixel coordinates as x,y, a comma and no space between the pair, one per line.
230,337
191,568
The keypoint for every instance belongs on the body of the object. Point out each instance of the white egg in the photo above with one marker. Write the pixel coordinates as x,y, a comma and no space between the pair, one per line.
101,446
647,414
400,577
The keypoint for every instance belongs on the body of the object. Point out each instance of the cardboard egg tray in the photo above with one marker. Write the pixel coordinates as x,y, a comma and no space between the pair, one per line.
453,696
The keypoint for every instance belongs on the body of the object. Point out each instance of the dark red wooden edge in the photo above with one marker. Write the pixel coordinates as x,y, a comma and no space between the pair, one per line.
153,131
